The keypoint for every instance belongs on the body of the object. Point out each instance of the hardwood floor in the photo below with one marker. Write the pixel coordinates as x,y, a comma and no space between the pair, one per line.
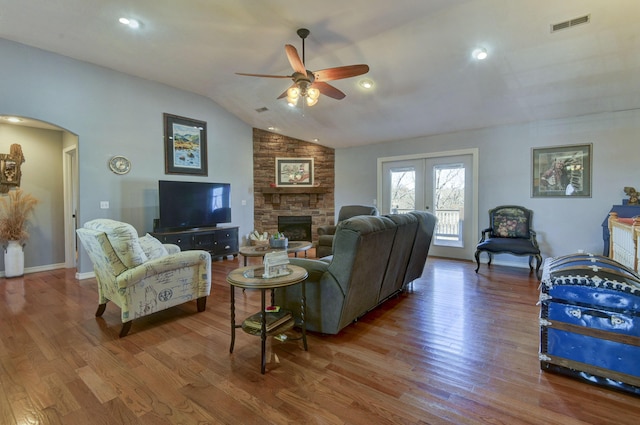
459,348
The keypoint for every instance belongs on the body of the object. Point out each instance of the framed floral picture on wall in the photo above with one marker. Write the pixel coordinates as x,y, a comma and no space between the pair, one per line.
561,171
294,172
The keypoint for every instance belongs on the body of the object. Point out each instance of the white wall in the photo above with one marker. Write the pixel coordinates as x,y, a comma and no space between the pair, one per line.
564,225
117,114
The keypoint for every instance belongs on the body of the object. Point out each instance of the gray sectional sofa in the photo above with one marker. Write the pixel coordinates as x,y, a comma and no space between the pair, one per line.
373,259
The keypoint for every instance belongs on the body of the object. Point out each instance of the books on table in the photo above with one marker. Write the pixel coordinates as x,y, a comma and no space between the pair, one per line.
274,319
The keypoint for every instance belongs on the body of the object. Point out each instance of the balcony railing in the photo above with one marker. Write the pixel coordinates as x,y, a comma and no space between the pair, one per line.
448,225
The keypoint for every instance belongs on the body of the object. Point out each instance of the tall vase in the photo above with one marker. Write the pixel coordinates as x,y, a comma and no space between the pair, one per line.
13,259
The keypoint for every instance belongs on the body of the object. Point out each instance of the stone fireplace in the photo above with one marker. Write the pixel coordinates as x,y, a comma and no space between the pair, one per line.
295,227
272,203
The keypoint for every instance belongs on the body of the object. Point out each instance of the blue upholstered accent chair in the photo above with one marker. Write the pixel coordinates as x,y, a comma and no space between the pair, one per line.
510,233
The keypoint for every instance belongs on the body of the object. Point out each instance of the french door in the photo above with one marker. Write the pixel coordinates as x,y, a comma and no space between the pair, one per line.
444,184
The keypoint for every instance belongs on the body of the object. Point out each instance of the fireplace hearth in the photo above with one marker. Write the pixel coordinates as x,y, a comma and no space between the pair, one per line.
296,227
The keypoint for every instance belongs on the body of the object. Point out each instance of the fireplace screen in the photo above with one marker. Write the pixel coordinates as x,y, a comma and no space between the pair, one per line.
296,228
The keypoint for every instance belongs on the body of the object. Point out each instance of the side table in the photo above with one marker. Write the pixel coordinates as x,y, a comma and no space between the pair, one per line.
251,278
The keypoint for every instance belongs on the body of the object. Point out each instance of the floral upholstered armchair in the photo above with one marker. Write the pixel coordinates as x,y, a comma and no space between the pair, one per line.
140,274
510,233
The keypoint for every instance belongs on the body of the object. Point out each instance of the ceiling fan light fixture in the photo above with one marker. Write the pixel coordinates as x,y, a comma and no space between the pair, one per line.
310,85
131,23
480,53
313,93
312,96
366,83
293,93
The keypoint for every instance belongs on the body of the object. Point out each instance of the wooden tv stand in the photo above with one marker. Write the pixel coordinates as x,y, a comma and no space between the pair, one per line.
219,241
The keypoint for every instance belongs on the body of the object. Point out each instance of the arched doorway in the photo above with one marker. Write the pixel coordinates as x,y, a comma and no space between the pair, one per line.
50,236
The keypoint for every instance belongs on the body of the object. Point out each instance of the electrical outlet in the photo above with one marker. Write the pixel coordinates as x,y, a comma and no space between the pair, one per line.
244,202
104,205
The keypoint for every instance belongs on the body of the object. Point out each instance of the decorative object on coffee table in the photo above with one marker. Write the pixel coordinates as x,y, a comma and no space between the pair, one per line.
278,240
257,238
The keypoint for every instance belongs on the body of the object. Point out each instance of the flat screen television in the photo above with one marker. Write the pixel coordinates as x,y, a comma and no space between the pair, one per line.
192,205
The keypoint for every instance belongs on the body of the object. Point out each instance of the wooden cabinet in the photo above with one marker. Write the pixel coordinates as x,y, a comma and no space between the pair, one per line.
625,234
219,241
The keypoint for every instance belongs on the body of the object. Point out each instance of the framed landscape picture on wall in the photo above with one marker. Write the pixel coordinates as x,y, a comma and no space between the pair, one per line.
185,145
561,171
294,172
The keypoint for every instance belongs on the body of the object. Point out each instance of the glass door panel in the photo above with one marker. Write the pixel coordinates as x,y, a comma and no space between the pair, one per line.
449,190
400,193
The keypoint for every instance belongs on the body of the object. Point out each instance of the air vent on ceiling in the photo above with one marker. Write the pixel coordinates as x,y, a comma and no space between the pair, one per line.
263,109
571,23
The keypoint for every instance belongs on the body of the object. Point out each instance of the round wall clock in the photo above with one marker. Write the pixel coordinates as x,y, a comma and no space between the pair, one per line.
119,164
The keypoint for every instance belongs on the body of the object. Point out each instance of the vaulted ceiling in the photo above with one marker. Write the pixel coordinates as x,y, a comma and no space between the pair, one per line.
419,52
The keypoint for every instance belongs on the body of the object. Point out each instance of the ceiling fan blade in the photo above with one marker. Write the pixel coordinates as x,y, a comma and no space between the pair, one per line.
263,75
340,72
294,59
328,90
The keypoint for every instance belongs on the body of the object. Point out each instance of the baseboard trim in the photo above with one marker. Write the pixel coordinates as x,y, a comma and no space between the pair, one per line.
87,275
28,270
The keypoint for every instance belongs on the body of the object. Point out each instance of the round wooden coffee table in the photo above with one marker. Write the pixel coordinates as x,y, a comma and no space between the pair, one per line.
259,250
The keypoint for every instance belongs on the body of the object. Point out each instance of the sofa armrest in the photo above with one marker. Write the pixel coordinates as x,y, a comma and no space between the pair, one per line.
168,263
328,229
315,268
171,248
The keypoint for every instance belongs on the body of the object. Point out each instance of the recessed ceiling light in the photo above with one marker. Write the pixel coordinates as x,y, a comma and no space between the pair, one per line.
271,128
316,139
366,83
131,23
480,53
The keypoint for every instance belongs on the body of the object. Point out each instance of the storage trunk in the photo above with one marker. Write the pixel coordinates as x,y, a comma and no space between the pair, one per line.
590,321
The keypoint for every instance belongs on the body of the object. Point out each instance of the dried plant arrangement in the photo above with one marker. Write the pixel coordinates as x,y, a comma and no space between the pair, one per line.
15,209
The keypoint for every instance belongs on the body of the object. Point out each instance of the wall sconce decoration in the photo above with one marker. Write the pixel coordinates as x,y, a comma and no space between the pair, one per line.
10,164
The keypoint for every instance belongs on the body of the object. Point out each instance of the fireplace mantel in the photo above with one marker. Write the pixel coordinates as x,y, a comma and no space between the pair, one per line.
272,194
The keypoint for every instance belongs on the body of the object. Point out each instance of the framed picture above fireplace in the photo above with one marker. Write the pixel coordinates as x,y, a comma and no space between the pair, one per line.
294,172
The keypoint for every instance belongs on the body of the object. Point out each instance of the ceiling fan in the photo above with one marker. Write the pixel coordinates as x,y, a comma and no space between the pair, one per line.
307,84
